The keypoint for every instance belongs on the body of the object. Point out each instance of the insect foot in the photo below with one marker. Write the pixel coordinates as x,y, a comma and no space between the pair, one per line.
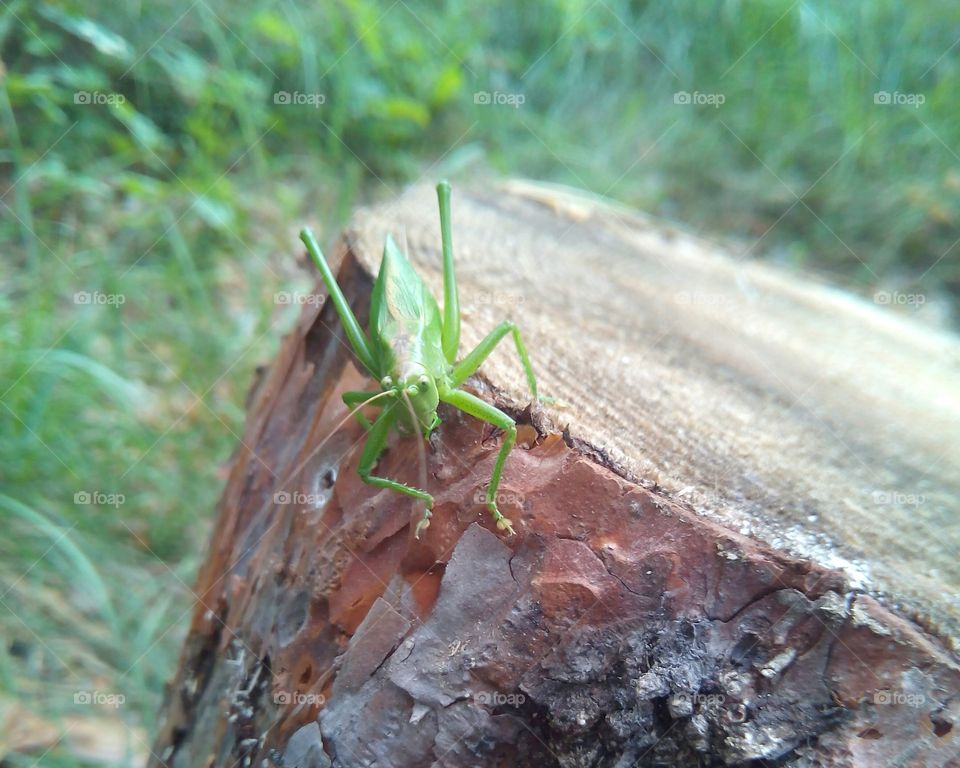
424,522
504,524
491,502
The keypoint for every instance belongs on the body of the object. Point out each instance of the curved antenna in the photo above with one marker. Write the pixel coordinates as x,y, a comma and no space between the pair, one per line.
331,433
422,455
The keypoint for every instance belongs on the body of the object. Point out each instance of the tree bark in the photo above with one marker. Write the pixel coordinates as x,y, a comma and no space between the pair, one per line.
695,578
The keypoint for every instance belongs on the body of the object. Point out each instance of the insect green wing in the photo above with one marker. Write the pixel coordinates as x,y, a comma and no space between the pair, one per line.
404,316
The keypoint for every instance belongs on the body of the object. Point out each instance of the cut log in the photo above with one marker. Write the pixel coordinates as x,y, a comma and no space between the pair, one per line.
736,533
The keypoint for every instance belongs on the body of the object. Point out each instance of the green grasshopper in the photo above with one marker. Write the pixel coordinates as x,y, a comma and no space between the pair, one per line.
411,350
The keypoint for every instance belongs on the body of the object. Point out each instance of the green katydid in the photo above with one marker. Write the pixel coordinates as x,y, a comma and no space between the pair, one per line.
411,350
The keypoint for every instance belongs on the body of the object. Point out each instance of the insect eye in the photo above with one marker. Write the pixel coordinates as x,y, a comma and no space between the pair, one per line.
423,382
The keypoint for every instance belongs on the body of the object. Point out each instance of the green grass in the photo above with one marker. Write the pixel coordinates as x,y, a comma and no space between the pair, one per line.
184,198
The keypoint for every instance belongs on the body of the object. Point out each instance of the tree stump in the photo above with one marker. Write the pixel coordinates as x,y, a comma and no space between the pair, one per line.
736,534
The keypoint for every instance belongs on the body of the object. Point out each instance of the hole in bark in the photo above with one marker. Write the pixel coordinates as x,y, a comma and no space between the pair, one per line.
307,674
180,733
292,617
941,727
328,478
745,648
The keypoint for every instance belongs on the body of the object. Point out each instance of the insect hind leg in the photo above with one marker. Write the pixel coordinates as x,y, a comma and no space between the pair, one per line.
474,359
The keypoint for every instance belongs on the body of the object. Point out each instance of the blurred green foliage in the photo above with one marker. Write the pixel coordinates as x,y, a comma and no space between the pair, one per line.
167,152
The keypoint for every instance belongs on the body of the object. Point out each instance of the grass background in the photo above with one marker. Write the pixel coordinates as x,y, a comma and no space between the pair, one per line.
145,159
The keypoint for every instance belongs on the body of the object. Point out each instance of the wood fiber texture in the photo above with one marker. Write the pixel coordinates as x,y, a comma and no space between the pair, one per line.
789,411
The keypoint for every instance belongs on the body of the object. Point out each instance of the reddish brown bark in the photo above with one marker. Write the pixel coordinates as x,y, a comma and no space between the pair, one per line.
616,629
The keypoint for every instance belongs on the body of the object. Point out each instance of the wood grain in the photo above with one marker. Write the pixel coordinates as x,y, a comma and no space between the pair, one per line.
788,410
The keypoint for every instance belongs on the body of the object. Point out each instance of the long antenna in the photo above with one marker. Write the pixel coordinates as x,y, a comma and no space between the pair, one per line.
422,454
331,433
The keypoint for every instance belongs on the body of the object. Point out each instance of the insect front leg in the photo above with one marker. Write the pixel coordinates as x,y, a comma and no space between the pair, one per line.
376,442
466,367
482,410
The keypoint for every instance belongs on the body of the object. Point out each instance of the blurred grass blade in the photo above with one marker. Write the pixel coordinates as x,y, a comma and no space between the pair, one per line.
121,390
85,573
